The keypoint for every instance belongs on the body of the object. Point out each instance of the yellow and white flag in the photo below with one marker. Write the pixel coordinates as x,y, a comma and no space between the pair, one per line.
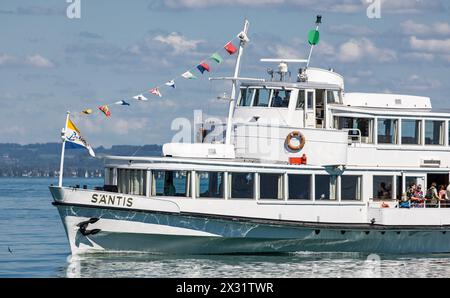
74,140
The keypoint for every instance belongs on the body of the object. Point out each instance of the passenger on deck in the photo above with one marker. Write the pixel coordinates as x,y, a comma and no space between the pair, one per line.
384,192
432,195
277,101
442,196
417,199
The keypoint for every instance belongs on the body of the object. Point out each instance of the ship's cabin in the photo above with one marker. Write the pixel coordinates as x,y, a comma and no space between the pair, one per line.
297,104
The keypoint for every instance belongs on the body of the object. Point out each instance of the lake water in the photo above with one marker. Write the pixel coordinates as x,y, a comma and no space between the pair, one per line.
33,244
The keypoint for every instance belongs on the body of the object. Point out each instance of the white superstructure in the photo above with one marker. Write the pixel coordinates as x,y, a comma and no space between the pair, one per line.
300,165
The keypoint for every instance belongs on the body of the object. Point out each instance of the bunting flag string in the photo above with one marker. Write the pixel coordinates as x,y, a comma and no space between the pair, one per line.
122,103
203,66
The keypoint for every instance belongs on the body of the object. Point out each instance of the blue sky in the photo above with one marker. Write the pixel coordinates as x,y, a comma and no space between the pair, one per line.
50,64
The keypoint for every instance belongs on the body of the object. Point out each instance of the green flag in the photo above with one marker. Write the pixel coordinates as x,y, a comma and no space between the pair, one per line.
313,37
216,57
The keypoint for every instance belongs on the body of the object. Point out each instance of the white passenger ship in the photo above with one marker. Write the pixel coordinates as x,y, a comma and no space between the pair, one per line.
303,166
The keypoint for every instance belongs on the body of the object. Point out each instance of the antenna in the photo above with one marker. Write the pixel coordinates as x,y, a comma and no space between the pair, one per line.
313,37
283,68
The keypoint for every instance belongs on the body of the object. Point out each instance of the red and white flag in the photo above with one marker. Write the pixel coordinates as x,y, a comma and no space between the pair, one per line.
155,91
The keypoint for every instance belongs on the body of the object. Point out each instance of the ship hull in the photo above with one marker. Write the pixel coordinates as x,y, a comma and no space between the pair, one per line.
160,232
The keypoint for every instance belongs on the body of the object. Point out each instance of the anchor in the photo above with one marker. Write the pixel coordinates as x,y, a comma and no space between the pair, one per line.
84,224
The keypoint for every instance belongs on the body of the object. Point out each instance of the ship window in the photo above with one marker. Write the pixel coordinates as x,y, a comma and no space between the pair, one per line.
387,131
246,97
448,133
132,181
242,185
171,183
434,132
262,98
310,102
411,131
271,186
360,128
351,187
209,185
110,176
333,96
325,187
382,187
280,98
299,187
300,100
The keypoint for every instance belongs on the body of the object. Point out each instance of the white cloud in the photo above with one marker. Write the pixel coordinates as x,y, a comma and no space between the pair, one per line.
412,28
123,127
39,61
430,45
419,83
410,6
6,59
417,56
363,49
179,43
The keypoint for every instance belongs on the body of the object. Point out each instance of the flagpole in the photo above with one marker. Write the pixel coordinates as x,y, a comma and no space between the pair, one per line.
63,149
234,88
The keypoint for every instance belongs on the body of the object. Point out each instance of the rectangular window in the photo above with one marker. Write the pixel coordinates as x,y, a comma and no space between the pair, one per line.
246,97
360,128
132,182
434,132
280,99
382,187
109,176
262,98
325,187
387,131
399,187
299,187
300,100
351,187
271,186
210,185
332,96
242,185
310,100
171,183
411,132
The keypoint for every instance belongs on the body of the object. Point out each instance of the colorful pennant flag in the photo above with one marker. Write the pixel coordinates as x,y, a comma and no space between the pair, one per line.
202,67
230,48
155,91
74,140
105,110
87,111
170,83
216,57
122,103
188,75
140,97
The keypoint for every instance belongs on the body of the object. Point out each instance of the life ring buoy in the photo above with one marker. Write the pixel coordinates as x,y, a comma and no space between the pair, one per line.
295,135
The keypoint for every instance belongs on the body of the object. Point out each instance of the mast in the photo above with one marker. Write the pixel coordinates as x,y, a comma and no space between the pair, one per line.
243,40
63,149
314,38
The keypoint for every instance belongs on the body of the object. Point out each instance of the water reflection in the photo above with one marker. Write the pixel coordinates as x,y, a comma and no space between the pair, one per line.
245,266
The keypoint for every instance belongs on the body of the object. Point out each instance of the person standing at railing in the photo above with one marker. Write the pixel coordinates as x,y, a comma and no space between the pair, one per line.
432,195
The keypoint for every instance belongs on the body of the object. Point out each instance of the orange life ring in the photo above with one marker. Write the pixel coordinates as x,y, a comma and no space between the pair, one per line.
384,205
295,135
